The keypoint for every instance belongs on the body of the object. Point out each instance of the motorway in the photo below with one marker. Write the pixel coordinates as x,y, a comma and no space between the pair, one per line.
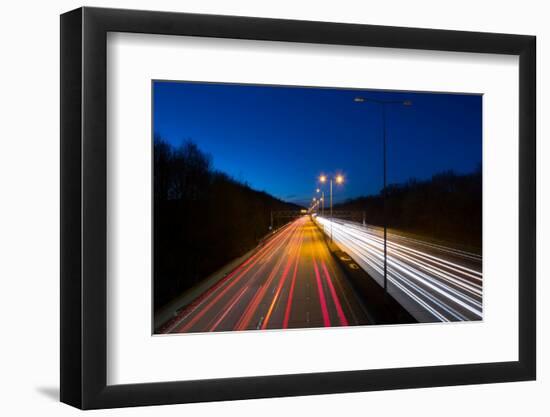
291,281
432,281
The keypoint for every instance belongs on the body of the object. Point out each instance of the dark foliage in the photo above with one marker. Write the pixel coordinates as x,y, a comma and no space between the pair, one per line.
448,208
202,218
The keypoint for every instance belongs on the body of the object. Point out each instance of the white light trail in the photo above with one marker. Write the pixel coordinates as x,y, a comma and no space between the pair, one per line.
433,282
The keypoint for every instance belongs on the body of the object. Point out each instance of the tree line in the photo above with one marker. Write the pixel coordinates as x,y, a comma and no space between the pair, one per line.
447,207
203,218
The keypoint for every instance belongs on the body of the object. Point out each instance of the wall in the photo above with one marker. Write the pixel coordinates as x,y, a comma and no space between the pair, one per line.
29,176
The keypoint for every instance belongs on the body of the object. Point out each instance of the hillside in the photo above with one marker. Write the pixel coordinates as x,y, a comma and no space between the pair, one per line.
447,207
202,218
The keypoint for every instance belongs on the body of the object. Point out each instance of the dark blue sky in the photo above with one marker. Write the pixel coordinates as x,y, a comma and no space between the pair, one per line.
279,139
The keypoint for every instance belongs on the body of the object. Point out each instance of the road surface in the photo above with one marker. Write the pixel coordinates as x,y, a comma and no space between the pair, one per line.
292,281
433,282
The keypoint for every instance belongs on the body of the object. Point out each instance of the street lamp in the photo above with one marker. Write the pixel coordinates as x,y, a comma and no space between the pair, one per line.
383,104
339,179
322,200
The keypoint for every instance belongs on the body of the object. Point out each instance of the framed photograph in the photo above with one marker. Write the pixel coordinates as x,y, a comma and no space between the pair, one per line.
257,208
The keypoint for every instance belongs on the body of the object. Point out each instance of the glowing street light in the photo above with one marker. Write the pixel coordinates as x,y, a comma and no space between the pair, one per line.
322,199
339,179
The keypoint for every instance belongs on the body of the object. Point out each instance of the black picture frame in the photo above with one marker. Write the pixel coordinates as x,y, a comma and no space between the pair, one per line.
84,207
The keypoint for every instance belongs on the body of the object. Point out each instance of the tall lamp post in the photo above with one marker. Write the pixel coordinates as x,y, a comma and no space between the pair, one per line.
322,200
339,179
383,104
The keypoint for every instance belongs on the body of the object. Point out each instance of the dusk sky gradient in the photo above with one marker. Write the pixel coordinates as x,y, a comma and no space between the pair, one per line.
279,139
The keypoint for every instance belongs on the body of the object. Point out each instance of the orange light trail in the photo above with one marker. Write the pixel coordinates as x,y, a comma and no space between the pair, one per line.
259,255
246,318
339,310
322,299
282,282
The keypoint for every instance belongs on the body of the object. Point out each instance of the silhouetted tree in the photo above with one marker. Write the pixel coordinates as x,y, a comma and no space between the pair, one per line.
202,218
447,207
